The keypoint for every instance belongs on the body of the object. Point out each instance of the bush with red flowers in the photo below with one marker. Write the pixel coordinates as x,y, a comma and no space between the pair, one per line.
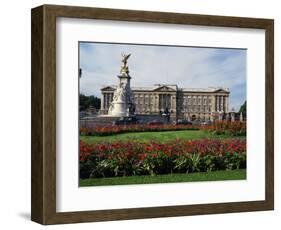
153,158
233,128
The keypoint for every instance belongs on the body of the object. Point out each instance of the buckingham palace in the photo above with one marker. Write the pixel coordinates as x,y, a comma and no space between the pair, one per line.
183,103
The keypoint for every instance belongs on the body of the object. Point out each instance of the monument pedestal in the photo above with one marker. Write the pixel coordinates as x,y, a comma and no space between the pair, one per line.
118,109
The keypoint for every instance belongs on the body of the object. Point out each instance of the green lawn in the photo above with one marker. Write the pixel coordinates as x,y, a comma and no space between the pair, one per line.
156,136
169,178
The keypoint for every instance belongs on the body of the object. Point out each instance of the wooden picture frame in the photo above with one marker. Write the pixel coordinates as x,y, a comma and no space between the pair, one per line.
43,208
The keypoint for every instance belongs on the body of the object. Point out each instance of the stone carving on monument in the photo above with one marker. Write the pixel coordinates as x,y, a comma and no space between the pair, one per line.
122,103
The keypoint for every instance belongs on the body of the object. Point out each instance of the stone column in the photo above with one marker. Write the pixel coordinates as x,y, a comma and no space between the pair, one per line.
148,103
152,103
213,103
174,102
156,103
226,104
101,103
174,105
161,101
196,104
220,107
108,100
222,104
105,101
218,103
143,103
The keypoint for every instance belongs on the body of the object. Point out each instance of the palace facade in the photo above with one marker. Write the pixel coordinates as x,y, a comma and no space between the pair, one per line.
183,103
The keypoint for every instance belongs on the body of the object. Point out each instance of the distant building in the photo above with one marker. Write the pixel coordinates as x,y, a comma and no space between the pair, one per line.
183,103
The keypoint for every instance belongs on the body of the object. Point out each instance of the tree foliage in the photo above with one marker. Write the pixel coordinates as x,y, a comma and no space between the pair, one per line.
86,101
243,108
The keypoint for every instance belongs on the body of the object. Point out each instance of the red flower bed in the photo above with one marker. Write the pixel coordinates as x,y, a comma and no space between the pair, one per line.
134,158
111,130
234,128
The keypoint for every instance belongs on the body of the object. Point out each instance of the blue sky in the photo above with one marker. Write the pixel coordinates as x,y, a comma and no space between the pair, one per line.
188,67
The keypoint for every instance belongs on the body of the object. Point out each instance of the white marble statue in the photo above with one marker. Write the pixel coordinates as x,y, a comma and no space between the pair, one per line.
122,104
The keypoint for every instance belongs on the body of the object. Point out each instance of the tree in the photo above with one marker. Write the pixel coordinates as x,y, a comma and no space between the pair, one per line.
243,108
86,101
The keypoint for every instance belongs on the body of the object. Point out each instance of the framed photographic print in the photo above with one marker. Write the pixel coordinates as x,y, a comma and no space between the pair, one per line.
140,114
